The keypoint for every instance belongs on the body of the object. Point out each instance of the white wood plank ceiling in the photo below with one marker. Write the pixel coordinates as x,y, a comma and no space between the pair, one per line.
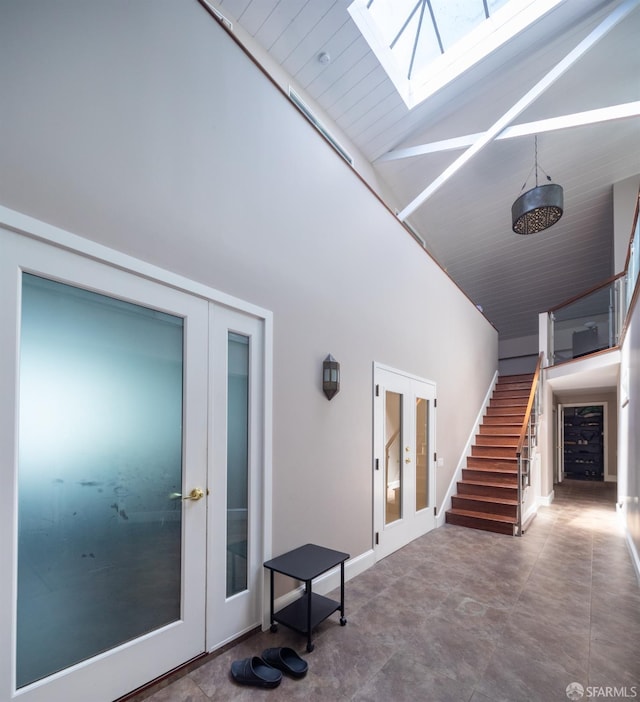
466,223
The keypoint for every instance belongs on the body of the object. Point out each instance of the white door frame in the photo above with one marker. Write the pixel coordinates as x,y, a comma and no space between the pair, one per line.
33,232
230,616
388,538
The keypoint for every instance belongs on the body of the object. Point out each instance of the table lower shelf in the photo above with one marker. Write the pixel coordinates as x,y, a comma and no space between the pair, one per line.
295,615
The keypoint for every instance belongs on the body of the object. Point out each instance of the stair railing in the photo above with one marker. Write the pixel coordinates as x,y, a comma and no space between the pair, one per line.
527,442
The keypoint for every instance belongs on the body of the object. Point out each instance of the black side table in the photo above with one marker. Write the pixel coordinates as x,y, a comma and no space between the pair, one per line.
306,563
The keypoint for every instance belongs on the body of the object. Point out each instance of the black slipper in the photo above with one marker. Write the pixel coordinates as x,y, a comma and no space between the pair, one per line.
287,660
254,671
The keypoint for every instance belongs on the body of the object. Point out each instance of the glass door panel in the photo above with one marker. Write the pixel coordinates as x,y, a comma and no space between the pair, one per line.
393,457
422,453
237,463
236,475
100,459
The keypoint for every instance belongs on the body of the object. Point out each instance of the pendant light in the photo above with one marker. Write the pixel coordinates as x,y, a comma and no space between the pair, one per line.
538,208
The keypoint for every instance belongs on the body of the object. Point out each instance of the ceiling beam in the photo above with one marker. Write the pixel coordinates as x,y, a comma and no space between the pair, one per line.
577,119
551,77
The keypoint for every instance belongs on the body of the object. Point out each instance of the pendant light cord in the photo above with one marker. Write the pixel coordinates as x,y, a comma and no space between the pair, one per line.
535,166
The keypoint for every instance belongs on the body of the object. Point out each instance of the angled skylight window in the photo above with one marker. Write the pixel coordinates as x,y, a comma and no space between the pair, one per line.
425,44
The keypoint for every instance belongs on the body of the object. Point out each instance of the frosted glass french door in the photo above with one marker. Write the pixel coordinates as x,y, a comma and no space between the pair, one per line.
404,459
104,415
236,475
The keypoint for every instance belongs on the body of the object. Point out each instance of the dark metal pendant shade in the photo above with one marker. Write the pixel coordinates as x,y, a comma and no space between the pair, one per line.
537,209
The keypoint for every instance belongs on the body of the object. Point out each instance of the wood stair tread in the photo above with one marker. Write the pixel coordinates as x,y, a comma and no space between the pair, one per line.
495,445
481,515
489,483
500,459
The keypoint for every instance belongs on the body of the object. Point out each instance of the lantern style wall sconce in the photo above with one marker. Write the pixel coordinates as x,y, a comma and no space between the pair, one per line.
330,376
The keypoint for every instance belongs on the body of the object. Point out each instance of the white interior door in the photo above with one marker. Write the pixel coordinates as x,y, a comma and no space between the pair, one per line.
236,476
103,427
404,459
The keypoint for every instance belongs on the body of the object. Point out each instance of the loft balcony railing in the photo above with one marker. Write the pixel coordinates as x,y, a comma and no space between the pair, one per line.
595,320
588,323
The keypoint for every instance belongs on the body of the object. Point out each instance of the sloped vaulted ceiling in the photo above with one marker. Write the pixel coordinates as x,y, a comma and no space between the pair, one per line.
466,223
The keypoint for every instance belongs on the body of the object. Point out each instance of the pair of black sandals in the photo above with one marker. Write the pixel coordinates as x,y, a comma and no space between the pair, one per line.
266,670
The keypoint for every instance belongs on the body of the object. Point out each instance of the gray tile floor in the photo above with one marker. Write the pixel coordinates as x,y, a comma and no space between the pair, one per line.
461,615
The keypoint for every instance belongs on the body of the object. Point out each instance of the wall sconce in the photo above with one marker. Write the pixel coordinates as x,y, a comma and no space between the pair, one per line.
330,376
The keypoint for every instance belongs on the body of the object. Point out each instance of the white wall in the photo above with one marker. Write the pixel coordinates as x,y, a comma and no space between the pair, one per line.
629,438
144,127
518,355
625,197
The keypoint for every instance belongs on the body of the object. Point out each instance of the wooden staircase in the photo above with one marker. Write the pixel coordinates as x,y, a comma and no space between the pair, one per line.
488,492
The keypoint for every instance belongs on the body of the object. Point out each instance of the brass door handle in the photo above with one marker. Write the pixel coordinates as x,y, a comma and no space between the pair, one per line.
195,494
407,460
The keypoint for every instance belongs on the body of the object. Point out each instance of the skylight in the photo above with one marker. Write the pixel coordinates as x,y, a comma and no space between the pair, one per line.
425,44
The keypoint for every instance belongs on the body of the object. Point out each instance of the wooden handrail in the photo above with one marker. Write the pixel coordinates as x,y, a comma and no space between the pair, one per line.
532,396
588,292
394,436
633,231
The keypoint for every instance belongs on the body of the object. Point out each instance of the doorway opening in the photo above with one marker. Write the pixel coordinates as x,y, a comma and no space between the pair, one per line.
583,450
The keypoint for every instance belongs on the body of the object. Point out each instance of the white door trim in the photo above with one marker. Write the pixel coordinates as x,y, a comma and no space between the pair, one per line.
230,616
36,229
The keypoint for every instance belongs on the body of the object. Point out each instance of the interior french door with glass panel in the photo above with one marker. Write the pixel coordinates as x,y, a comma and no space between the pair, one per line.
103,508
236,524
404,459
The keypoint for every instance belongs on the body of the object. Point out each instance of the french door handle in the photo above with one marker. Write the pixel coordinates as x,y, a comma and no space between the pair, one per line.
195,494
407,460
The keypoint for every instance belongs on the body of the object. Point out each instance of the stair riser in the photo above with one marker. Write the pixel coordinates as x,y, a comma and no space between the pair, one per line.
490,477
497,440
507,492
511,430
467,502
517,378
515,413
483,463
491,419
508,402
520,386
485,525
494,451
508,393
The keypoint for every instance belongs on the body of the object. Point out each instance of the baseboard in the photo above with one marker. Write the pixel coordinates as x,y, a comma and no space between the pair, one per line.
546,500
529,516
325,583
635,558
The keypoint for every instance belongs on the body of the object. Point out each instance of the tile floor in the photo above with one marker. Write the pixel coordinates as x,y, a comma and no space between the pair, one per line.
462,615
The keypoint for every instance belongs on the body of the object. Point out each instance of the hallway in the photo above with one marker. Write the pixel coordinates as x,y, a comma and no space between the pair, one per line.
462,615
